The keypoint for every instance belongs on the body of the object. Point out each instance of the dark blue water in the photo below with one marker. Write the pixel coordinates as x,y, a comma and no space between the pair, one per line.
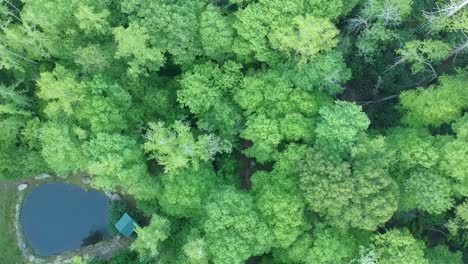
58,217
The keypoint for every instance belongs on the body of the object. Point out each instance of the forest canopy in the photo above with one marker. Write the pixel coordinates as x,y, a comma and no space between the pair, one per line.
270,131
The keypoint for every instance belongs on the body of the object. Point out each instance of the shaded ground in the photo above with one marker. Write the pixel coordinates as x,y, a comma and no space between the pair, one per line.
247,166
104,250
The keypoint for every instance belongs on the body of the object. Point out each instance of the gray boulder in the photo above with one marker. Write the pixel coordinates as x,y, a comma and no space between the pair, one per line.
42,176
23,186
86,180
116,197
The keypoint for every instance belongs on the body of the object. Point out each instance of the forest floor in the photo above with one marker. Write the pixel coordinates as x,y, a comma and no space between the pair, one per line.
8,244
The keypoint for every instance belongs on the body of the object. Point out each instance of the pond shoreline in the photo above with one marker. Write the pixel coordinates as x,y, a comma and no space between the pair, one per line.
104,249
25,249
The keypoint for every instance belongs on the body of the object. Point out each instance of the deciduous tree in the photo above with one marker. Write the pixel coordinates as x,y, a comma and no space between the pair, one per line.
117,161
358,193
149,238
399,246
234,231
341,126
435,105
175,147
184,192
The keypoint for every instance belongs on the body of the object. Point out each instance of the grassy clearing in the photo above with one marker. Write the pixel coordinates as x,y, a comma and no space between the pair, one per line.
9,250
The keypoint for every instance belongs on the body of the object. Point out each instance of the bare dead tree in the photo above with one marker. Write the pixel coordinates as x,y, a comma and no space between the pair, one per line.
2,48
357,24
446,11
461,48
14,16
386,98
12,5
390,14
453,8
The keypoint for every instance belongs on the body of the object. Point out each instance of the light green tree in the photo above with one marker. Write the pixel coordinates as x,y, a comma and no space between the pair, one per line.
423,54
282,208
61,90
341,126
195,250
234,231
435,105
208,91
216,33
265,134
323,245
306,37
149,238
412,148
105,107
95,58
271,31
132,43
175,147
184,192
427,191
399,246
170,26
61,149
116,161
342,191
92,22
276,111
326,73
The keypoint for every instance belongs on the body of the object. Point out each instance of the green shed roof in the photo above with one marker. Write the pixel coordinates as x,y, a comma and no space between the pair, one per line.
126,225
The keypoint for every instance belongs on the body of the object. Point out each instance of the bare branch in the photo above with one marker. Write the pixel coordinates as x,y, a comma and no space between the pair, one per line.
430,67
390,15
12,5
13,15
437,230
18,56
357,24
398,62
380,100
455,8
447,11
459,49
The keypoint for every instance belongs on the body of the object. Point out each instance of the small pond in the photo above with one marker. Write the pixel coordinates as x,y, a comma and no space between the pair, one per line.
58,217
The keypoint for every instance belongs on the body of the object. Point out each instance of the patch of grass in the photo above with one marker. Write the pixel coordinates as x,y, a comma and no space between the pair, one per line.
8,248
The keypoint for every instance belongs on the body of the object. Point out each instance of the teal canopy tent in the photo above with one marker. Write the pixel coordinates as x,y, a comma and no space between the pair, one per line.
126,225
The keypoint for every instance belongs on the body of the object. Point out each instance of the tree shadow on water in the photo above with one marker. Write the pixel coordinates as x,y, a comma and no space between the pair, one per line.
94,237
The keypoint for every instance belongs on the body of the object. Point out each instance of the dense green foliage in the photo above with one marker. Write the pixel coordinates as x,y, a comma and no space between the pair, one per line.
281,131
